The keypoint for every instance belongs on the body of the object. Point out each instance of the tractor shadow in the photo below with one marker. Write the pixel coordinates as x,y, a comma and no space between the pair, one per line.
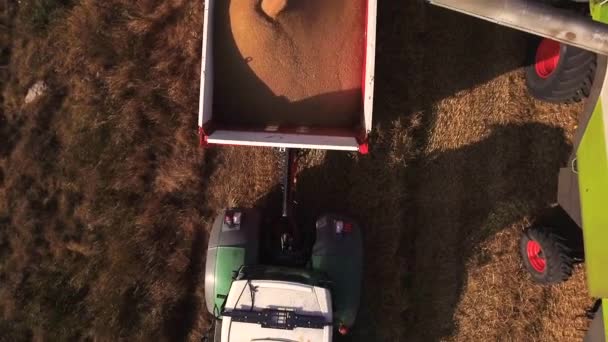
184,315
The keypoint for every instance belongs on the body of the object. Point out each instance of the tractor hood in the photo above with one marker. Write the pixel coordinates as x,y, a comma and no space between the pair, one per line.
270,310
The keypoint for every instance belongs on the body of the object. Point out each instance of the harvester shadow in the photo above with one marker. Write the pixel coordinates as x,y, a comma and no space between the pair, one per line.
424,215
423,223
426,54
462,197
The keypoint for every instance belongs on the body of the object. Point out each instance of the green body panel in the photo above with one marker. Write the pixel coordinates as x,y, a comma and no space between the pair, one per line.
592,160
341,258
598,12
593,179
229,260
345,287
605,306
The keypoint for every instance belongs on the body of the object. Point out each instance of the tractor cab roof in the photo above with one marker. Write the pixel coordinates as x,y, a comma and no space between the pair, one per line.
258,310
286,274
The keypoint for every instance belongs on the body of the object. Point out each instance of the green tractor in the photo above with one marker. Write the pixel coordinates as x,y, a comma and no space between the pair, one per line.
266,279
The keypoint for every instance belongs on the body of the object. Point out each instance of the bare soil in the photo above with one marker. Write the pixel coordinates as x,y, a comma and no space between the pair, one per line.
106,199
302,67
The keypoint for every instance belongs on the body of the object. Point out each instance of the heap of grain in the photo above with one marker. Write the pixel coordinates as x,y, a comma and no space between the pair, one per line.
289,62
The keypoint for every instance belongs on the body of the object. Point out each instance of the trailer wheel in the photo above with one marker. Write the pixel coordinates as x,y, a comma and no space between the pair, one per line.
559,73
546,256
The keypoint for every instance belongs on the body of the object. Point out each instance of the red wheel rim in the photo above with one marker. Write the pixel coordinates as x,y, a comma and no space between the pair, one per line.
535,255
547,57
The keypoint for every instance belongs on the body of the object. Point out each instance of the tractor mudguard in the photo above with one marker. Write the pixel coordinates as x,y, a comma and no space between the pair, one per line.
338,252
230,247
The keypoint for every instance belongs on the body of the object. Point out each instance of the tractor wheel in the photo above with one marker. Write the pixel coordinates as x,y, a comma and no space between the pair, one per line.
546,255
559,73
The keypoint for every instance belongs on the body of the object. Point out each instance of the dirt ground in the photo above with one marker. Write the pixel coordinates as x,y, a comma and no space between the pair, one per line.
105,198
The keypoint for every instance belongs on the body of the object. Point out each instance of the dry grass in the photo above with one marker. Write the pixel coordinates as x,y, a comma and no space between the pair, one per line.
105,197
101,210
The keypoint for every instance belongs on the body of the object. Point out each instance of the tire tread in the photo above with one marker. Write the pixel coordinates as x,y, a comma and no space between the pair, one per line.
558,255
572,81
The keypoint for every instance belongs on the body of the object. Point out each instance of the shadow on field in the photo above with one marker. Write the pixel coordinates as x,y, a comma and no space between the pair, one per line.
462,197
426,54
450,203
185,313
424,215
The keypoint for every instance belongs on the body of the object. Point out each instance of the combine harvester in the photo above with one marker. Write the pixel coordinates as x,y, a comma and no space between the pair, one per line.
568,64
269,277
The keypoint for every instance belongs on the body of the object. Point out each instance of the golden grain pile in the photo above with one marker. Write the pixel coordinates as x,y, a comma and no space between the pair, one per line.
289,62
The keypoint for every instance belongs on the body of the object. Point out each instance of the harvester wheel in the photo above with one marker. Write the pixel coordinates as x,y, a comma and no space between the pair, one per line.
546,255
559,73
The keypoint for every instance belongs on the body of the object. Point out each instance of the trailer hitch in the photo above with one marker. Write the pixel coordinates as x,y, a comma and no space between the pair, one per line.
288,179
287,235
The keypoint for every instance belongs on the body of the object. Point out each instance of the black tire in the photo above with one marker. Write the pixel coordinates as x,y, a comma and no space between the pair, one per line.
570,81
557,256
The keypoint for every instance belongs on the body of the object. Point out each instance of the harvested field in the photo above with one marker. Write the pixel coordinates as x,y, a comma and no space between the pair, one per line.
105,197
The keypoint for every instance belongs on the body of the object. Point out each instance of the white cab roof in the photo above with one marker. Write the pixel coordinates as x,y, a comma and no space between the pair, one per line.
280,295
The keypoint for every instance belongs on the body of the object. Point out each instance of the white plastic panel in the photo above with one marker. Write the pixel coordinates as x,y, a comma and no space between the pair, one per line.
277,139
205,108
370,64
248,332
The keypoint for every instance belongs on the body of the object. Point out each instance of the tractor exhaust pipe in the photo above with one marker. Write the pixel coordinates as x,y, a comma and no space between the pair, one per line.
537,18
